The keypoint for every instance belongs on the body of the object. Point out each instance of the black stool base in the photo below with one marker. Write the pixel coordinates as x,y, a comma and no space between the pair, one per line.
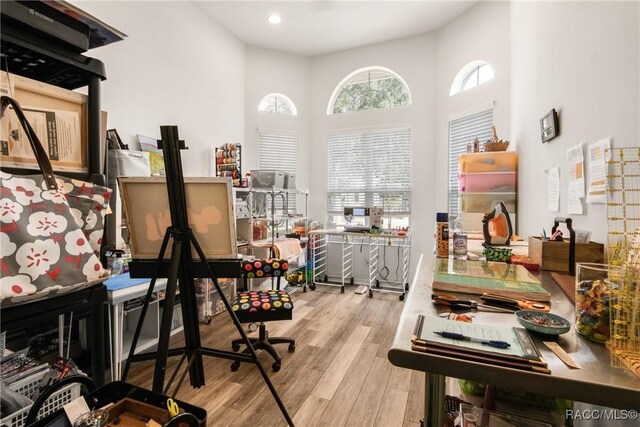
264,342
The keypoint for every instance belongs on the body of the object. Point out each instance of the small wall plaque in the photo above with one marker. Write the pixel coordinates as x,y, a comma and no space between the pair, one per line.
549,126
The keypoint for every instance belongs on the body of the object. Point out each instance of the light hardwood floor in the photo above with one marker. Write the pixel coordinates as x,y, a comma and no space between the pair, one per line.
339,374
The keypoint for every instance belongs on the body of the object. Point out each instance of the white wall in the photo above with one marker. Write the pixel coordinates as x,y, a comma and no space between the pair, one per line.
581,58
414,60
269,71
481,33
176,68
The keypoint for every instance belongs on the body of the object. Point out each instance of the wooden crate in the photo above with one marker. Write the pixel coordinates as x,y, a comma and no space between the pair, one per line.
554,256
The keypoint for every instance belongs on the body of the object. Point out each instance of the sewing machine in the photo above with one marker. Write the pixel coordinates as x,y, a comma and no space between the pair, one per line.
362,218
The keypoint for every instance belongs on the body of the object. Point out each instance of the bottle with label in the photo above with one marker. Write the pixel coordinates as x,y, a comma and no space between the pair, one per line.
459,239
442,234
118,265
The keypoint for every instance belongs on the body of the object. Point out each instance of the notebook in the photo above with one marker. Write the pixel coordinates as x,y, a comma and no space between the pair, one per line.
478,277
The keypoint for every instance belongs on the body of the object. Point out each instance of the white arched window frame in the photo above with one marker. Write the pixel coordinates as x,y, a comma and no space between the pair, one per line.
278,103
347,80
471,75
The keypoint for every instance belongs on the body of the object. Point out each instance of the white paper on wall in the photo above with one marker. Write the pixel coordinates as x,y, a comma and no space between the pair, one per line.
575,159
575,204
553,189
576,169
598,158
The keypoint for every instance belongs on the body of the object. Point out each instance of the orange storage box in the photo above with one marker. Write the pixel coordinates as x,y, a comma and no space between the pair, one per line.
498,161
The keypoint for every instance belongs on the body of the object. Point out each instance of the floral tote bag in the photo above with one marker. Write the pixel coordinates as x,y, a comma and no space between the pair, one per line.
50,228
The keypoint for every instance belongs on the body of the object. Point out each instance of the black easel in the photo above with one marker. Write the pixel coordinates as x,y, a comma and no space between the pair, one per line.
182,268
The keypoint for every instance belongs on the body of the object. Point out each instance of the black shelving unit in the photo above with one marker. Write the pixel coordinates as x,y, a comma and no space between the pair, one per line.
44,58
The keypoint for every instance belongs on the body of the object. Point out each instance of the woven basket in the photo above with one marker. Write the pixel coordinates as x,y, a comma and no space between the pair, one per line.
496,146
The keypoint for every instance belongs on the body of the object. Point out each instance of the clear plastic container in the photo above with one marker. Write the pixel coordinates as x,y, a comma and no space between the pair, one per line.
485,202
488,182
496,161
594,286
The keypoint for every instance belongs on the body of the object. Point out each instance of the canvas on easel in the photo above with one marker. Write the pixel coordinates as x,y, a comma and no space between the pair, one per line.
209,210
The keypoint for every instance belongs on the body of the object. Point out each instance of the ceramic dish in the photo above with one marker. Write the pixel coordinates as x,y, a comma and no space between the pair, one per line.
545,323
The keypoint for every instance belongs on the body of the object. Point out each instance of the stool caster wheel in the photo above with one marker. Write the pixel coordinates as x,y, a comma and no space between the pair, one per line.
312,286
292,348
377,283
235,347
351,281
207,320
275,366
370,293
406,286
401,297
304,288
342,290
235,366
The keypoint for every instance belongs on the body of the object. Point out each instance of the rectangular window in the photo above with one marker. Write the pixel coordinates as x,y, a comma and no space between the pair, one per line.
463,130
278,150
370,168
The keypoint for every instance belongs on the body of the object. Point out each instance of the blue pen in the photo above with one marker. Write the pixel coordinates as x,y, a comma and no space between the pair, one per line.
460,337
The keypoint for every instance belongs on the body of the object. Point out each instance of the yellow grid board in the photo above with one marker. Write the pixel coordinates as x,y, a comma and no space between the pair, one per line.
623,249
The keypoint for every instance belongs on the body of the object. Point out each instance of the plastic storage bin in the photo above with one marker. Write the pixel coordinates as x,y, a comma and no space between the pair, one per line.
29,387
485,202
488,182
472,416
264,178
499,161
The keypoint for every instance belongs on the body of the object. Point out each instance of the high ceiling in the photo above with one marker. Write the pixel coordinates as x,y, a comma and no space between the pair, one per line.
314,28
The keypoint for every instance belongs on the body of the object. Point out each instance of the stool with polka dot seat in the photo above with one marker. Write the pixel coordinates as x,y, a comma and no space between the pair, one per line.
263,306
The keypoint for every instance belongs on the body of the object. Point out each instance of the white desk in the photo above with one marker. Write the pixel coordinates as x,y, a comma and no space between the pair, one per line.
320,240
119,322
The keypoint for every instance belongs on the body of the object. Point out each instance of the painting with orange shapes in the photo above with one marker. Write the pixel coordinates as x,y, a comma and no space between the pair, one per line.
209,212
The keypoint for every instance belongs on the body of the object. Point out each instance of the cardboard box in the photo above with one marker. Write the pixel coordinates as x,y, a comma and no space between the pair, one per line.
59,117
554,256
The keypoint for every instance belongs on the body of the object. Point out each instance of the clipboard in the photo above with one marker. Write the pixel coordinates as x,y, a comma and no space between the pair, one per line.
523,354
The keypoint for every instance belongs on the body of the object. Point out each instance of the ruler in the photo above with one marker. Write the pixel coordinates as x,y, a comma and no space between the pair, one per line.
562,355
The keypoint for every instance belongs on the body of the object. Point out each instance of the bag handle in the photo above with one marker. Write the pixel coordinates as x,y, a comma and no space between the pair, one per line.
86,382
36,145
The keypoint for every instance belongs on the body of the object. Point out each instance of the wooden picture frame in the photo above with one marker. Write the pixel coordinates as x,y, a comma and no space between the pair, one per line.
210,211
549,127
59,117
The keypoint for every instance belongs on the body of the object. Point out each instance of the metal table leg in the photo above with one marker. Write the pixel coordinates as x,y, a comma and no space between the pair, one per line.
434,400
116,340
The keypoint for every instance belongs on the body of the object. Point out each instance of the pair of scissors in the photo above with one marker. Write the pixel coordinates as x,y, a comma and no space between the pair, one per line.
516,304
455,302
172,406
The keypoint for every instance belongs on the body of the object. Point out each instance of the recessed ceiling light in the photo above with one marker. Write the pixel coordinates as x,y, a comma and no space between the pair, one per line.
274,18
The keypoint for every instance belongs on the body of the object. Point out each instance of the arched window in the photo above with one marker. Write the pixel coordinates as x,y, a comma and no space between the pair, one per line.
279,104
369,88
471,75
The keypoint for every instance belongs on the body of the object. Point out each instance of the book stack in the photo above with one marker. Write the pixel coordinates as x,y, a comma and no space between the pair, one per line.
473,342
479,277
17,366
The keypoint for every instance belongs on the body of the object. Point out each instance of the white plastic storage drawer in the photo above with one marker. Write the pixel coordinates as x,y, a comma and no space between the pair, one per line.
498,161
485,202
488,182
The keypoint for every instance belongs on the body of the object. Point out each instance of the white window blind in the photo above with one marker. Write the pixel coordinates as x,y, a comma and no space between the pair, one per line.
370,168
462,131
279,151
